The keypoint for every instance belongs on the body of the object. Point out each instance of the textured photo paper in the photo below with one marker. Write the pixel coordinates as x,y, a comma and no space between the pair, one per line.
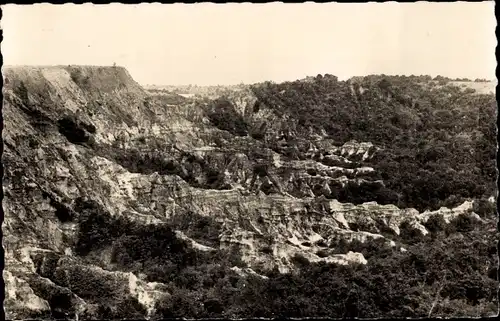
245,161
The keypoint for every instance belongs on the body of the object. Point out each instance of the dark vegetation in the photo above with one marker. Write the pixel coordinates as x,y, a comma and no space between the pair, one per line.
155,245
60,299
223,115
79,78
457,261
438,149
393,284
439,142
200,228
75,131
365,192
194,170
190,276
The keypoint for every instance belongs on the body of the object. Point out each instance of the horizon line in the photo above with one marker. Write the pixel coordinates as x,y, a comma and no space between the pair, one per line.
242,82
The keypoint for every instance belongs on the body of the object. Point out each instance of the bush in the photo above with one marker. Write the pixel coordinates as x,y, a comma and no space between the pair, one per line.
60,299
182,303
461,223
300,260
130,309
200,228
224,116
95,230
484,208
435,223
410,234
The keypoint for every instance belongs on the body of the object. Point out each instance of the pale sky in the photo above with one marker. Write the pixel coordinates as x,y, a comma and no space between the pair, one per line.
210,44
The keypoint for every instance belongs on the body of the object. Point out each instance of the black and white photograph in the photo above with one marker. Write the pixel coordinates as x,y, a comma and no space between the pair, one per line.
238,161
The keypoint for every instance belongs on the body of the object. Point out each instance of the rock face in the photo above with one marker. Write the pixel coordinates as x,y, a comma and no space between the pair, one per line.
83,143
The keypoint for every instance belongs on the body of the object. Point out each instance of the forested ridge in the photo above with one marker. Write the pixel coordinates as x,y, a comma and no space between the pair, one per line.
437,148
438,140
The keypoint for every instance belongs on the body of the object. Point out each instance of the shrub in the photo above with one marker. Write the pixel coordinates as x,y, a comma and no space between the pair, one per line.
484,208
130,309
409,233
224,116
461,223
201,228
300,260
435,223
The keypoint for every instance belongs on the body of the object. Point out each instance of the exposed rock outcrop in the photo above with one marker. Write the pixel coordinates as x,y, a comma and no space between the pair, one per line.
86,142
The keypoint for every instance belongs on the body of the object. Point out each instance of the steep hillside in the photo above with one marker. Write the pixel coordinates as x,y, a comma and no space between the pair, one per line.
438,142
126,203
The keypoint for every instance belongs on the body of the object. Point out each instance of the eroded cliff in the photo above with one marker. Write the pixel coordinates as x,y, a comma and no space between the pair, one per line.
112,192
